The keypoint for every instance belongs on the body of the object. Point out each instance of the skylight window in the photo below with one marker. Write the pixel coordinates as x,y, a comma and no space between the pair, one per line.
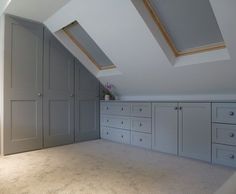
87,45
188,26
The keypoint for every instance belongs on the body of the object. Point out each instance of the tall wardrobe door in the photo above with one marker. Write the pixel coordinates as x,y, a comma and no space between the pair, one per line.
22,85
58,93
87,105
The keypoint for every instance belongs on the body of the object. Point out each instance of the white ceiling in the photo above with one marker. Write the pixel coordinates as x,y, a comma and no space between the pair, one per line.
144,69
38,10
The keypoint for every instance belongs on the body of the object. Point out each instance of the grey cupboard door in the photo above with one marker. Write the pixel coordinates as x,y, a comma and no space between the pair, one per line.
87,105
58,97
165,127
195,130
22,83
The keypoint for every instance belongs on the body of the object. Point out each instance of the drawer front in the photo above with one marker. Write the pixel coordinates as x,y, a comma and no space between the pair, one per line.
141,125
116,122
112,108
106,133
141,109
106,108
122,109
225,155
224,134
224,113
121,136
141,139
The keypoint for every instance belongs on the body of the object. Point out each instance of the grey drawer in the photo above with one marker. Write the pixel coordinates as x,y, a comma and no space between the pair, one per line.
141,109
121,136
141,125
122,109
224,113
113,108
224,134
106,133
141,139
106,107
225,155
116,122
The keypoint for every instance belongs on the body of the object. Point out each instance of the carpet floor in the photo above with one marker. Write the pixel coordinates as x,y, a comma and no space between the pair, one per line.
103,167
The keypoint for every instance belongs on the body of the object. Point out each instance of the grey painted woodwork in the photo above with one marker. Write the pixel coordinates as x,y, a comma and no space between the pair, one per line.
58,97
224,154
141,109
141,139
165,127
86,105
195,130
224,113
127,123
116,122
143,125
224,134
113,108
22,83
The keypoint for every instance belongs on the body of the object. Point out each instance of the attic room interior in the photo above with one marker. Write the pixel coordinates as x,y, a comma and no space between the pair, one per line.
107,96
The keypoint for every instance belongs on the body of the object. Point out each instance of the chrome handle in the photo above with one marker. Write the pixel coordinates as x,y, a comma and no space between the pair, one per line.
231,156
231,113
39,94
140,139
231,135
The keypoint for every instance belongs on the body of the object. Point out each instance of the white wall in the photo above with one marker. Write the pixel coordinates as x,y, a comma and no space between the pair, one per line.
3,5
2,23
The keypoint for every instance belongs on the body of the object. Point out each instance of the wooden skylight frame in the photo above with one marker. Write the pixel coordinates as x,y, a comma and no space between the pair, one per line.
169,40
79,45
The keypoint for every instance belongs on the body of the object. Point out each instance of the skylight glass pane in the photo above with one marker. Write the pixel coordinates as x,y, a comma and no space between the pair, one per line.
81,38
189,23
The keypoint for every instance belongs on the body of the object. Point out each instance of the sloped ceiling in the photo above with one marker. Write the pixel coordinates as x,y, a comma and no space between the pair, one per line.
144,68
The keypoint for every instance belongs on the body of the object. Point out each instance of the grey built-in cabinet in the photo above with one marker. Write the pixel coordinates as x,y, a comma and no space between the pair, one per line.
178,128
50,99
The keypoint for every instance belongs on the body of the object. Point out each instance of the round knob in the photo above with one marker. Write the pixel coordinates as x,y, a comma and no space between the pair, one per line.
39,94
122,136
122,109
180,108
231,113
231,156
107,121
140,110
176,108
140,124
122,122
107,133
231,135
140,139
107,108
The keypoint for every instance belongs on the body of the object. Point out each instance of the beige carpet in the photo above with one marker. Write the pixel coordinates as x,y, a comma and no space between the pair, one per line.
102,167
